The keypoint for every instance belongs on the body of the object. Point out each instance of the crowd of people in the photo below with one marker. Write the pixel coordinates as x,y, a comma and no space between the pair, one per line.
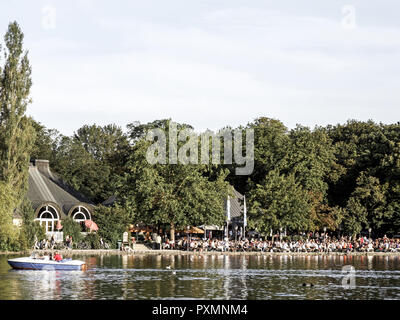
315,244
47,244
322,245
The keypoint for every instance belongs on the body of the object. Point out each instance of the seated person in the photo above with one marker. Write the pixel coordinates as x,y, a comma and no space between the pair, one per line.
57,257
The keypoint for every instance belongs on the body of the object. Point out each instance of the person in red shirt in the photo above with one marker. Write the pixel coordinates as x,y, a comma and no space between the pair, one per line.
57,257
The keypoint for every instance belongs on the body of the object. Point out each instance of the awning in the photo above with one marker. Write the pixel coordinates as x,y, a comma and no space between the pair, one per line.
212,228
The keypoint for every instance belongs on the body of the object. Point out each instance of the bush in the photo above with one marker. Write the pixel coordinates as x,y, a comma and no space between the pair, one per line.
92,240
112,223
73,229
31,230
8,232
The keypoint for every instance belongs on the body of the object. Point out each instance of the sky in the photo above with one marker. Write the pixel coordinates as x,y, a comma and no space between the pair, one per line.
210,63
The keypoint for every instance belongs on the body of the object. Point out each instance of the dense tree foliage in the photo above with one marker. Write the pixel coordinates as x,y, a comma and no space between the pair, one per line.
178,195
343,177
16,132
72,229
112,223
91,160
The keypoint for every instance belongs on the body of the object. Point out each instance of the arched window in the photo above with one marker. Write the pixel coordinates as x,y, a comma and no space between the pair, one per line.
80,214
47,217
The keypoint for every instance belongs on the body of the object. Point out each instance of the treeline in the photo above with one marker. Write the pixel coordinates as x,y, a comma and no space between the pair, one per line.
343,177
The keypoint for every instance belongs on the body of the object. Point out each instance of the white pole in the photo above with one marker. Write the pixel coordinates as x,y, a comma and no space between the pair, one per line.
228,215
244,217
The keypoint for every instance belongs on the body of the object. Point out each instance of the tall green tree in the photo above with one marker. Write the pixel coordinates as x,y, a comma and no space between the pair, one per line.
16,132
368,157
16,135
92,160
311,158
175,194
367,206
279,202
271,143
46,143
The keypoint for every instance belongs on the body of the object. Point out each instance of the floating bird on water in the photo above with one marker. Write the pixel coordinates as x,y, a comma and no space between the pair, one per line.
308,284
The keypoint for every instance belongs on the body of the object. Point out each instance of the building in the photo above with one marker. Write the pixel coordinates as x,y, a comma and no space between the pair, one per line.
53,200
234,214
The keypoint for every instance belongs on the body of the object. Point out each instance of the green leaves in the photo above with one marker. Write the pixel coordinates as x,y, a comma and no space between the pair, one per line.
174,194
367,205
16,132
366,188
279,202
112,223
92,160
72,228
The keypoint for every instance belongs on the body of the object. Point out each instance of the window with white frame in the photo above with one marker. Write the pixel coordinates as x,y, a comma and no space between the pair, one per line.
80,214
48,216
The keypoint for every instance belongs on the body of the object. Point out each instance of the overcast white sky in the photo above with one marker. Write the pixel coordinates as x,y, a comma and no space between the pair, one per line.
210,63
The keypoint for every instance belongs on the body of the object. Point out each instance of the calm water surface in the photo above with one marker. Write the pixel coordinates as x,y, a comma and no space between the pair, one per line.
207,277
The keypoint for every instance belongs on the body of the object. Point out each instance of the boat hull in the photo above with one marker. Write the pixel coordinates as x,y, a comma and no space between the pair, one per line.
37,264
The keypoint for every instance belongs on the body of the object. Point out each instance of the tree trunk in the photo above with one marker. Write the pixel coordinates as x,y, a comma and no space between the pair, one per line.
172,232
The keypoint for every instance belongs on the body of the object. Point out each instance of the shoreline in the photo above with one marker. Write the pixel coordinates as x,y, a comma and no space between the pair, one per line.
74,252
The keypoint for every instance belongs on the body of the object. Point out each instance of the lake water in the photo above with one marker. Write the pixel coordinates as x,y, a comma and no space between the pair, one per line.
114,277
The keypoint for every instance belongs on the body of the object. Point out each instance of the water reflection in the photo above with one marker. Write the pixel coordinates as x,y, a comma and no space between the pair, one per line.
207,277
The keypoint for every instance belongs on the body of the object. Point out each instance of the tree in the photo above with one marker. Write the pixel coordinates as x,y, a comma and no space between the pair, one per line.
112,223
46,143
72,228
367,205
271,142
92,160
31,230
368,161
16,132
311,158
175,194
279,202
8,232
16,135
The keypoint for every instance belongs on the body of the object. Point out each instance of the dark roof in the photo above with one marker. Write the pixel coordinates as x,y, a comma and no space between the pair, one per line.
46,187
110,201
236,205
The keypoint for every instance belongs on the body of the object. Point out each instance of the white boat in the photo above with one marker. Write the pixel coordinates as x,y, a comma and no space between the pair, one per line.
31,263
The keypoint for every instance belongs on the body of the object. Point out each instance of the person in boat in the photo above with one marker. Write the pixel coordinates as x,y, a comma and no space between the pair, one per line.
57,256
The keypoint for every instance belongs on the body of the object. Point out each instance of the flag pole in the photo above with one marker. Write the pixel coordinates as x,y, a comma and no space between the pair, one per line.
228,215
244,218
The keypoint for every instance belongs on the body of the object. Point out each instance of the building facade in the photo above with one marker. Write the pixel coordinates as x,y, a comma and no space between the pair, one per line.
53,200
